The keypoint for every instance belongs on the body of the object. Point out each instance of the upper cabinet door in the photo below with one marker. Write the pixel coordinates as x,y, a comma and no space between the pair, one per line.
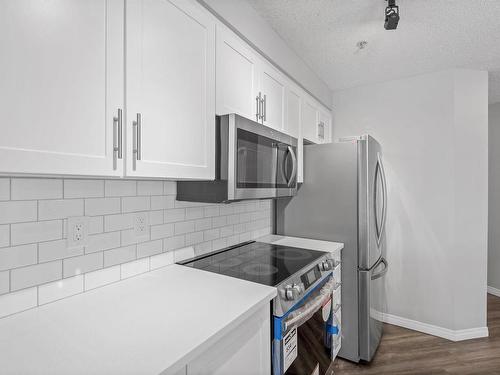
292,122
170,89
61,86
236,76
309,123
272,88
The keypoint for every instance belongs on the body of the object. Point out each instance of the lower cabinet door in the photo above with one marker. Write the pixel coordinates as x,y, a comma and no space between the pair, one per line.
170,75
244,351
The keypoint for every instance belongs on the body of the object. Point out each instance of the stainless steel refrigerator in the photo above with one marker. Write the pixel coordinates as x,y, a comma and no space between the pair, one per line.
344,199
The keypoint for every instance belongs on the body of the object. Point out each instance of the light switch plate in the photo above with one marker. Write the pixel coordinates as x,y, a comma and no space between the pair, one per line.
78,228
141,224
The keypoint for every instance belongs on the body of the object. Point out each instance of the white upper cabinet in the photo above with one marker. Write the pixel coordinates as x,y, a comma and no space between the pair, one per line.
61,70
292,118
170,75
309,115
272,86
236,76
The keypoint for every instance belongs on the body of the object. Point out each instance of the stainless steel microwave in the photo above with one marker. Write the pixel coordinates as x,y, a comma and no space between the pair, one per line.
253,161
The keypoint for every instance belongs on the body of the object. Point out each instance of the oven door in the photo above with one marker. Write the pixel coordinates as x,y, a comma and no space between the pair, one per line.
306,339
262,163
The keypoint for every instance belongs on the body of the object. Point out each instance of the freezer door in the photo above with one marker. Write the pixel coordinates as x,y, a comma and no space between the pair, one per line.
372,202
371,307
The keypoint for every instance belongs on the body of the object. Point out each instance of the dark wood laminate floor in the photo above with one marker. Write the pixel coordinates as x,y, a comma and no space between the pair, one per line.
403,351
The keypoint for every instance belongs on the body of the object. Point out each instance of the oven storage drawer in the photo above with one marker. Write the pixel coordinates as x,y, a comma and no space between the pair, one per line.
307,338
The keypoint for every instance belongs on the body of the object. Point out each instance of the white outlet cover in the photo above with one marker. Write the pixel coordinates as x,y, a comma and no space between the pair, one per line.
77,232
141,224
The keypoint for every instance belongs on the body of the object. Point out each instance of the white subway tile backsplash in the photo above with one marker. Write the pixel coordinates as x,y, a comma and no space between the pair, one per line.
211,234
120,188
33,228
36,232
184,227
25,277
120,255
19,301
194,213
59,209
150,248
173,215
96,279
135,268
18,256
162,202
174,243
136,204
36,188
162,231
60,289
161,260
54,250
169,187
194,238
4,189
150,188
129,237
212,211
4,235
4,282
102,206
203,224
156,217
118,222
83,189
82,264
103,241
17,212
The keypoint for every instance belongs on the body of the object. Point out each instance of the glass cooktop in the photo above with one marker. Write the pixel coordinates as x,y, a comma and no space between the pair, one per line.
256,261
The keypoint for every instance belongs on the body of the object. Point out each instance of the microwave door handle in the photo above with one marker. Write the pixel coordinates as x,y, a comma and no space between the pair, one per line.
294,166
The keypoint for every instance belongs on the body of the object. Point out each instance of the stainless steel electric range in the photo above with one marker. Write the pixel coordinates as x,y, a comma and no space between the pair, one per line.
305,330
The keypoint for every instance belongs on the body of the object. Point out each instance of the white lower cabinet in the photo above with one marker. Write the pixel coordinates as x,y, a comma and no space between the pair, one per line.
170,92
61,86
244,351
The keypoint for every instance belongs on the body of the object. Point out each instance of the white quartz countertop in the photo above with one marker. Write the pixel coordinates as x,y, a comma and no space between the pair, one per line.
305,243
150,324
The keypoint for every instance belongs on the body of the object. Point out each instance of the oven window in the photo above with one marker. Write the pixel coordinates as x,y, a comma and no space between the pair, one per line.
256,161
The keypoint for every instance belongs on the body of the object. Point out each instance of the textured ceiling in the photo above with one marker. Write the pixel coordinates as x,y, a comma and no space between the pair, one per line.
432,35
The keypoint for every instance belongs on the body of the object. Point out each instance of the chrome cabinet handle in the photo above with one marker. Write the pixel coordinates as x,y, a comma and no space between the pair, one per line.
257,109
294,166
264,108
136,141
117,138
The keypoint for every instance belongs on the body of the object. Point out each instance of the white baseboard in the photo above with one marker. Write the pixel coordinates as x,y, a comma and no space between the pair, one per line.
494,291
459,335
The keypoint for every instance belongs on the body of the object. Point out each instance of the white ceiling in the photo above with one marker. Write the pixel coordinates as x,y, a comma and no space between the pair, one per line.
432,35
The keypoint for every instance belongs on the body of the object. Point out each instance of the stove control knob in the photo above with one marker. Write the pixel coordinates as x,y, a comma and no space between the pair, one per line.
326,265
292,292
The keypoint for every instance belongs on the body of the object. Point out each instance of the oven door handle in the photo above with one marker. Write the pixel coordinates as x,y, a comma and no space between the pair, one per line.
309,309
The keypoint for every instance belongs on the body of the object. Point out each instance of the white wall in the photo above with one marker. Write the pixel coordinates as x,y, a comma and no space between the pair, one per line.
433,130
494,196
246,20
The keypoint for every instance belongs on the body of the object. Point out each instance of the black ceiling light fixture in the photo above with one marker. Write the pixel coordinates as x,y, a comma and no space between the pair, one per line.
391,15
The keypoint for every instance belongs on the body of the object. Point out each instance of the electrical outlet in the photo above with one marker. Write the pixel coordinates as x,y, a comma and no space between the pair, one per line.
77,231
141,224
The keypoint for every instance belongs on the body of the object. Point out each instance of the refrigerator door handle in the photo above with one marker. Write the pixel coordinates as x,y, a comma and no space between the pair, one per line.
380,274
380,174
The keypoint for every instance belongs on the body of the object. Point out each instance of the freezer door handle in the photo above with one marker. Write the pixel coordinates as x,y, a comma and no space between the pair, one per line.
380,274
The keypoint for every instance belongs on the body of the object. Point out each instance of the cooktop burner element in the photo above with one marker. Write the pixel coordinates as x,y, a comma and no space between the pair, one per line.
256,261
